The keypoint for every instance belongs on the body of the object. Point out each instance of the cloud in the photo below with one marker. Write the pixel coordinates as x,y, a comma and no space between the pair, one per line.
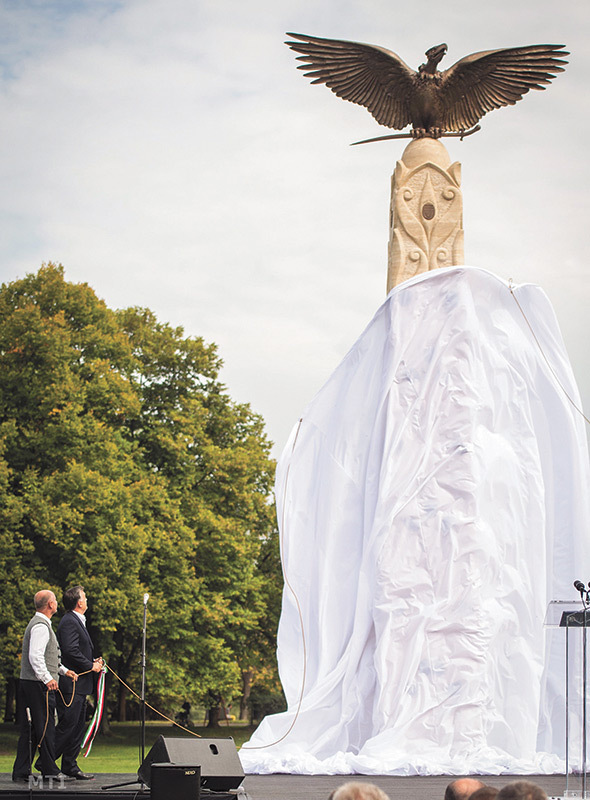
171,155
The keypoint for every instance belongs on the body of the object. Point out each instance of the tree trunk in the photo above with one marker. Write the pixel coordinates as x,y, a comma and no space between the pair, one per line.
247,676
122,704
213,715
105,728
9,710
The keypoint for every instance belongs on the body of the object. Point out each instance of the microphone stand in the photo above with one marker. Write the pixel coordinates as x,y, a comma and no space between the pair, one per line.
146,597
584,693
30,721
585,598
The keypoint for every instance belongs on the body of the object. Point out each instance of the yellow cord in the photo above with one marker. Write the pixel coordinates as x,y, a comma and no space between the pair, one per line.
192,733
67,705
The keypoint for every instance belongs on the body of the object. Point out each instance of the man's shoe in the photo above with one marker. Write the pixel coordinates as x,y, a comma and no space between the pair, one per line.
81,776
20,778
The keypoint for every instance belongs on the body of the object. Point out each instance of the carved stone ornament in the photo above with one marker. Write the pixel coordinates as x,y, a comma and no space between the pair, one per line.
426,213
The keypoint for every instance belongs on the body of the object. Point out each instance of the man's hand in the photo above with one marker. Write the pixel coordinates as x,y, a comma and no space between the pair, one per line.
97,666
51,685
71,674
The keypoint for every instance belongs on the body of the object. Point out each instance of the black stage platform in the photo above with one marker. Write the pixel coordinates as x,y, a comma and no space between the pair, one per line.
271,787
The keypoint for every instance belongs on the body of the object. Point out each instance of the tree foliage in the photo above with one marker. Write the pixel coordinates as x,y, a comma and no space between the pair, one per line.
126,467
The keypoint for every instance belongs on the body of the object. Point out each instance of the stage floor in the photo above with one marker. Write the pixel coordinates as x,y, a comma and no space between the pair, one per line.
279,787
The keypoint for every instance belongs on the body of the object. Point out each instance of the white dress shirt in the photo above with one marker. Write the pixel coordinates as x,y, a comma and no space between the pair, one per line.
37,645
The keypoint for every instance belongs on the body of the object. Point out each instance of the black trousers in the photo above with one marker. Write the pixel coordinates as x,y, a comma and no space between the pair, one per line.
34,695
70,729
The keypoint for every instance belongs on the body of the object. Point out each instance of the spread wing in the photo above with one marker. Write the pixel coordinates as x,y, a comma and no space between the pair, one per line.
365,74
494,78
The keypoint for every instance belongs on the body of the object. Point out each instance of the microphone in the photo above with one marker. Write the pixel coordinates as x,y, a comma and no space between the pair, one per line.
579,586
146,597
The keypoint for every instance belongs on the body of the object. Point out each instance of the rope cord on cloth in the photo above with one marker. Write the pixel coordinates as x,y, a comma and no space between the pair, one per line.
300,613
538,343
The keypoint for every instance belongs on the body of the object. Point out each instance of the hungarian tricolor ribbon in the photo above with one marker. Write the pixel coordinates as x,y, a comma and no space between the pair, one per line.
97,716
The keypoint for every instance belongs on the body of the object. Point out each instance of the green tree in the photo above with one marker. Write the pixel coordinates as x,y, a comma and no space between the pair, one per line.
126,466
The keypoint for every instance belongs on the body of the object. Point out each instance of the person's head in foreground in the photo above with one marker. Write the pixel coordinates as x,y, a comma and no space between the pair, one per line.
356,790
485,793
521,790
462,788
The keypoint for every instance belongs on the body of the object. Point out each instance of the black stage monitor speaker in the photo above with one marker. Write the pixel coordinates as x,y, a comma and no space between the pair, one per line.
180,781
221,769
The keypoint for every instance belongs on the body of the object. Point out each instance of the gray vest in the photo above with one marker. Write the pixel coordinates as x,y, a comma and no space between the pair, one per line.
51,652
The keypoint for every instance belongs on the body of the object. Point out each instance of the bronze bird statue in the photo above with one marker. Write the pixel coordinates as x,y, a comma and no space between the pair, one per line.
434,103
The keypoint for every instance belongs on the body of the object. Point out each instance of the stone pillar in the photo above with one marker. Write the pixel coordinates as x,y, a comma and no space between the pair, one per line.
426,212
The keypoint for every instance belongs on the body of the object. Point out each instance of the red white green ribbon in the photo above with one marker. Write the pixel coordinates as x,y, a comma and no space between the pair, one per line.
97,716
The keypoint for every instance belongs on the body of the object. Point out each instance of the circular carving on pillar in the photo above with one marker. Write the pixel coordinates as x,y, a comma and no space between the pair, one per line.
428,211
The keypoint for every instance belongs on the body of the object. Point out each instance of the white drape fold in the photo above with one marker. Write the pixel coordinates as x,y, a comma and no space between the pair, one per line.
431,501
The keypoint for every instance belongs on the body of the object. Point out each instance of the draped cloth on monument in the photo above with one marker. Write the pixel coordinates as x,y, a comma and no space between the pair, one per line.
431,502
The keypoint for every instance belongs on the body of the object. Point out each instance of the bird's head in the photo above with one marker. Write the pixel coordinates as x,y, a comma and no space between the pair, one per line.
434,56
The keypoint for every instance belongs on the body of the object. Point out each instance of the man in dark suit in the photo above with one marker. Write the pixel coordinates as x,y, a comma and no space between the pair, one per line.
77,652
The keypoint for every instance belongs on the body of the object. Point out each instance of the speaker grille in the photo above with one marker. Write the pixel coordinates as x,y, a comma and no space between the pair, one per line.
180,781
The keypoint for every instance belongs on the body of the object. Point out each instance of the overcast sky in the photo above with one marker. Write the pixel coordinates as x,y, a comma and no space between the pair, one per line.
170,154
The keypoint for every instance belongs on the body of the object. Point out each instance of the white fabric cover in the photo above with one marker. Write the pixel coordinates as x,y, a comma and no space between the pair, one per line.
431,502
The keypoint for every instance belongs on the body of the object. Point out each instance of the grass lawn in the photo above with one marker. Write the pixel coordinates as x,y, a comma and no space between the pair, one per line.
120,752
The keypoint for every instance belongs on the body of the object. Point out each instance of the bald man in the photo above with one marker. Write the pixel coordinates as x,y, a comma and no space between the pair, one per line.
357,790
40,669
462,788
